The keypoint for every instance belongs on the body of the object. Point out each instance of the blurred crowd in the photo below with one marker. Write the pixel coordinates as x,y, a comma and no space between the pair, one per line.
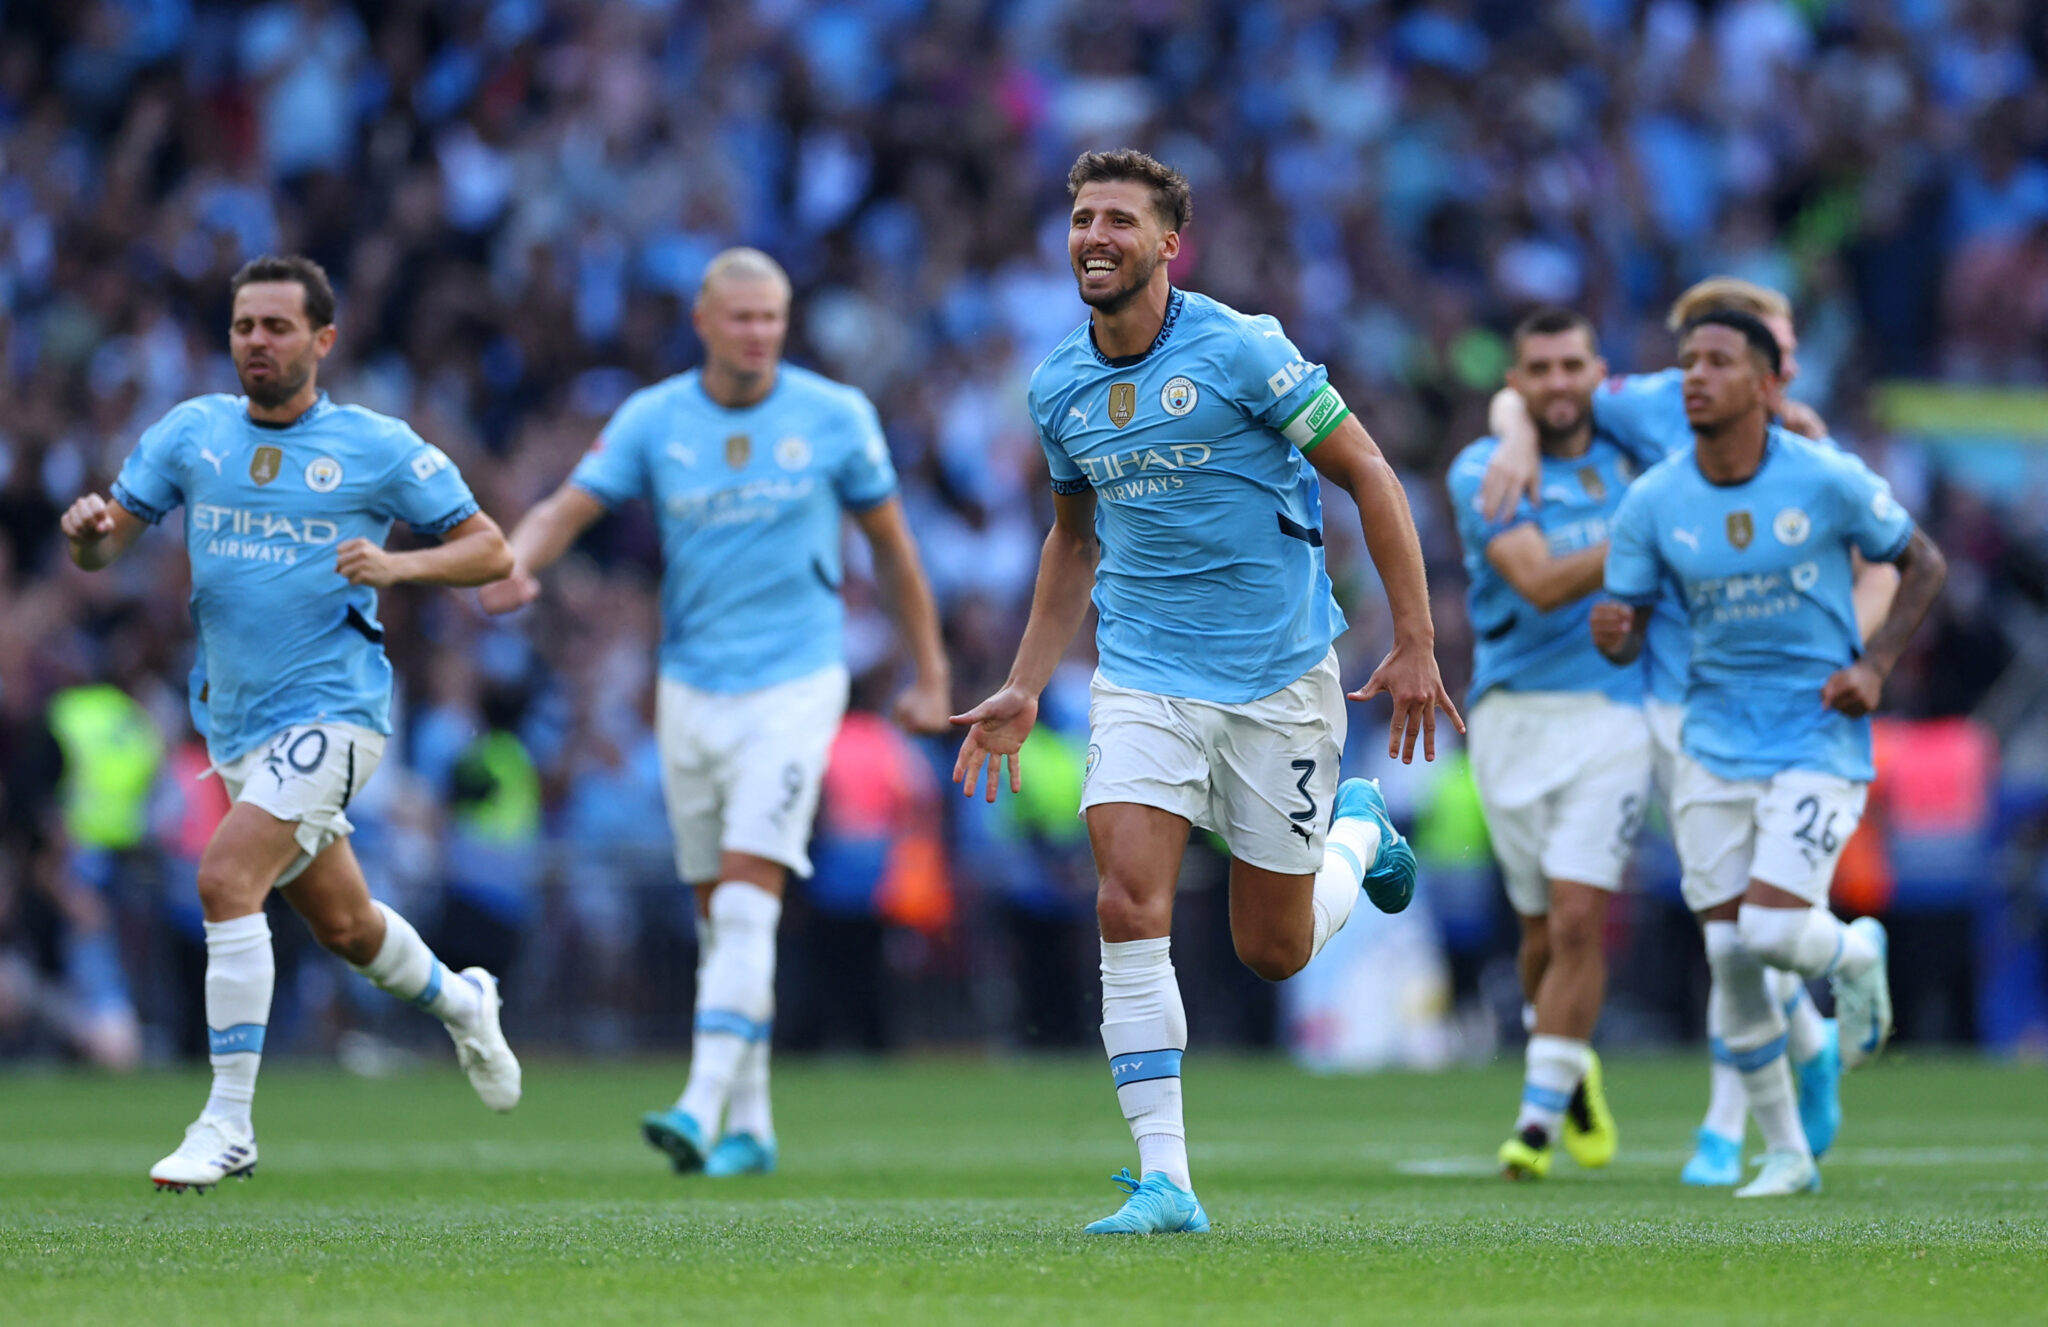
516,199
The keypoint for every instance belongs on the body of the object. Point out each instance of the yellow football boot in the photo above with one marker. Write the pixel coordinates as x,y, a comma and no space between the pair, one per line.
1589,1133
1522,1158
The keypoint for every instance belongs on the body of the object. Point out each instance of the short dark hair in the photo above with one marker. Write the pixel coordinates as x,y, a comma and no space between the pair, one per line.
1550,320
1172,200
1752,328
312,278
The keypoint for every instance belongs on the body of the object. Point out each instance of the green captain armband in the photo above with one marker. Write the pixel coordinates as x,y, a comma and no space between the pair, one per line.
1316,420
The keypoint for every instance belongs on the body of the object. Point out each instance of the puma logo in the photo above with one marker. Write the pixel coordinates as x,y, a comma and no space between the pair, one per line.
1306,837
1079,414
1690,538
206,453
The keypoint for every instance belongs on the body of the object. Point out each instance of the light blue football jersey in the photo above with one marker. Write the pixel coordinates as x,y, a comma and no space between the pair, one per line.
1765,569
1645,414
283,638
1211,583
1517,646
749,503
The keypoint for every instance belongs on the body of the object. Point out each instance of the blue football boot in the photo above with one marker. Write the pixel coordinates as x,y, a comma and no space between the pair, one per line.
741,1154
1820,1091
1155,1206
1390,884
1716,1162
675,1133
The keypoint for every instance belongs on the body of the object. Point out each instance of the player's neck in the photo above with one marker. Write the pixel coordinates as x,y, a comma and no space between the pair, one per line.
288,412
1566,446
1132,327
735,390
1734,452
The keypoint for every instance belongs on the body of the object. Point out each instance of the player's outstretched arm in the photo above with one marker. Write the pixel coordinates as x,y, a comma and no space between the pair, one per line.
538,541
1857,689
1352,460
1523,558
473,552
997,727
926,705
99,530
1619,631
1515,470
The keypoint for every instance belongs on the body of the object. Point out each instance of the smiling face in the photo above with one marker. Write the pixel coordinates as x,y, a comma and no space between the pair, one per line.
1556,373
742,321
1117,242
1725,378
276,349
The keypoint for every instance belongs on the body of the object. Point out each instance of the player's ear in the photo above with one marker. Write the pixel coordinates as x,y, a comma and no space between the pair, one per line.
323,340
1169,246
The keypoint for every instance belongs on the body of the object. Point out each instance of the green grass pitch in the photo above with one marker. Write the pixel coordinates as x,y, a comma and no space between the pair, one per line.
945,1191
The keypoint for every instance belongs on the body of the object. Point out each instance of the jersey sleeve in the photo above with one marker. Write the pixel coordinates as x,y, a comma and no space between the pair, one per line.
1278,388
1468,473
148,484
425,490
1067,478
1643,413
614,470
1634,569
1873,520
865,476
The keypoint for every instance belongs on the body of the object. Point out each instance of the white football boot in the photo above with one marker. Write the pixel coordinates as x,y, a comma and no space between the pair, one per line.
492,1068
1781,1174
212,1151
1863,1004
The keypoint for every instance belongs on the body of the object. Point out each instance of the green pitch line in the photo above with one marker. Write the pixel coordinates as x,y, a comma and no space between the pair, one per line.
937,1192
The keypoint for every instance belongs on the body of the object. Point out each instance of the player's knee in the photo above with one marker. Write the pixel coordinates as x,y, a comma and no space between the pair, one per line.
1273,958
352,935
1771,934
1125,913
227,889
1578,919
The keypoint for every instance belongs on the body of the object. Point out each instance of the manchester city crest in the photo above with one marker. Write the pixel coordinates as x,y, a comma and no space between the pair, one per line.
1741,529
323,475
793,453
265,464
1123,402
739,449
1178,397
1792,526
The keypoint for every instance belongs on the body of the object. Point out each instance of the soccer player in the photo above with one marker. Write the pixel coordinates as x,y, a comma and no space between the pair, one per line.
1646,413
1756,526
1184,440
750,465
1560,749
288,499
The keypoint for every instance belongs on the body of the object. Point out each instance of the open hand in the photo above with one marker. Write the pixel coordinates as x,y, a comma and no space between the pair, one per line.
1410,676
996,730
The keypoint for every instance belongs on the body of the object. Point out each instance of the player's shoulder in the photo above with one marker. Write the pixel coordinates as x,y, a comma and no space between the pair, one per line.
1661,382
809,387
1672,475
1060,369
200,412
1469,465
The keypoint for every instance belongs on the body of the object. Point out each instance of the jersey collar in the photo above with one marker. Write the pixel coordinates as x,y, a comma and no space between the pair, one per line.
321,405
1771,448
1174,300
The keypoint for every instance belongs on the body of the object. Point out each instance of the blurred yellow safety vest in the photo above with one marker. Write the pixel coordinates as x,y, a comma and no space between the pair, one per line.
111,752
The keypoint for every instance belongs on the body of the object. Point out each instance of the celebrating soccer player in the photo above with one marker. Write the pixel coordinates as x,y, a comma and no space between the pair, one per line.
1560,749
1646,414
749,464
1184,439
288,499
1757,527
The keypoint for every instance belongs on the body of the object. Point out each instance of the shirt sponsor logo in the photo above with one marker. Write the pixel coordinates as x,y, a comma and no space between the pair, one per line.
1287,377
323,475
1178,397
754,501
1144,471
792,453
1791,526
265,465
1753,596
1123,402
1741,529
258,536
739,449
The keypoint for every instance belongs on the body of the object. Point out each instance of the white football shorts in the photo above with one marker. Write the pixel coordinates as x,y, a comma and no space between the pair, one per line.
742,770
1667,729
307,774
1262,774
1788,830
1563,779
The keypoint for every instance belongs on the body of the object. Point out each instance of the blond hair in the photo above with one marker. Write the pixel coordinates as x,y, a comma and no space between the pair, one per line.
1718,293
742,264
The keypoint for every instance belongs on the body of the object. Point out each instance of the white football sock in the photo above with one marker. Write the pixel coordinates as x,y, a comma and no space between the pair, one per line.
1349,852
1803,1027
1753,1027
748,1111
1727,1103
735,998
1145,1032
406,968
241,970
1808,941
1555,1067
